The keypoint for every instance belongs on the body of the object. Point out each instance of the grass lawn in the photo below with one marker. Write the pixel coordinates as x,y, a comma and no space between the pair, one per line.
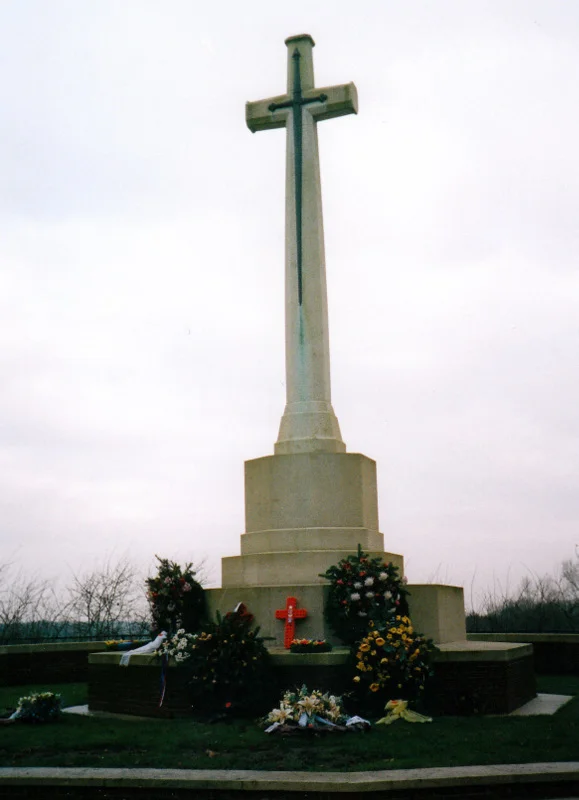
448,741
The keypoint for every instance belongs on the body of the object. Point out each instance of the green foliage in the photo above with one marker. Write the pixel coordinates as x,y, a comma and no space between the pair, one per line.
176,598
230,667
362,590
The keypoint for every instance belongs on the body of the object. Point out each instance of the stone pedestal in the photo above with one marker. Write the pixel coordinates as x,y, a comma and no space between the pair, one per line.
303,513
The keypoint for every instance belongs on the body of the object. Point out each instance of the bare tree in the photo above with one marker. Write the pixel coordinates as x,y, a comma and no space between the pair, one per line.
29,608
107,599
541,603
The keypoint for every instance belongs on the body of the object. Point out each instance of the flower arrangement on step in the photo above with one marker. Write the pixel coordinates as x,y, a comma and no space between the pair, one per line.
176,598
304,710
393,661
38,707
180,646
310,646
124,644
362,590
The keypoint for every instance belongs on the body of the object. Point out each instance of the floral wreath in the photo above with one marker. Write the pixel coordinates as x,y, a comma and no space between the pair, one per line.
175,597
394,660
364,592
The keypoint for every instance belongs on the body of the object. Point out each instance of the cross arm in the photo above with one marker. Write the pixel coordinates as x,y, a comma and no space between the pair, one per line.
340,100
259,118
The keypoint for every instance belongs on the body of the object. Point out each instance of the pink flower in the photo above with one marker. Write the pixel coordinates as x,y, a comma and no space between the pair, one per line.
186,587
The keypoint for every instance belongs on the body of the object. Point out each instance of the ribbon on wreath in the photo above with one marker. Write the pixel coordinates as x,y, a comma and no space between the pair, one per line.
164,668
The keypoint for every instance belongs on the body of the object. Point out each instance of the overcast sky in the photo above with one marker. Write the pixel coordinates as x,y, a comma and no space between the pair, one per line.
141,275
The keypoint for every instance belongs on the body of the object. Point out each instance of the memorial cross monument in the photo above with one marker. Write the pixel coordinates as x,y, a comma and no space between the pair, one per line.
309,423
311,503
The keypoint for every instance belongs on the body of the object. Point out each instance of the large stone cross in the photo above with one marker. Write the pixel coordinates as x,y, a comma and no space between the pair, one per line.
309,423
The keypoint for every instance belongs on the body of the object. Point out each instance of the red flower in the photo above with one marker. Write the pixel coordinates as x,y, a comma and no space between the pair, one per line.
340,582
362,573
227,705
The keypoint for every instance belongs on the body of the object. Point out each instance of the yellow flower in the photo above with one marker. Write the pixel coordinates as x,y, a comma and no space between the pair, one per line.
356,678
364,647
372,652
374,687
359,655
384,661
380,642
360,666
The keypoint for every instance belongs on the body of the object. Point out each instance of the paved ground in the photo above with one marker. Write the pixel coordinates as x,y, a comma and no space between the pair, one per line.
502,780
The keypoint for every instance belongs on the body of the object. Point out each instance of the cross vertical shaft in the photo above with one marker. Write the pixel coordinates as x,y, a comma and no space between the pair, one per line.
308,423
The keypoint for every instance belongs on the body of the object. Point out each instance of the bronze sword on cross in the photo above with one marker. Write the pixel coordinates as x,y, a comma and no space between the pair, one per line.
296,103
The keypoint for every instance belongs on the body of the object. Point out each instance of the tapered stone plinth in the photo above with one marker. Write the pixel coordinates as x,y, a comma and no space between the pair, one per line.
303,513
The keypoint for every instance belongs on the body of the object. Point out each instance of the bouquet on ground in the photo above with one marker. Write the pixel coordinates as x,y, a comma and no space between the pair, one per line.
398,709
363,590
38,707
305,710
310,646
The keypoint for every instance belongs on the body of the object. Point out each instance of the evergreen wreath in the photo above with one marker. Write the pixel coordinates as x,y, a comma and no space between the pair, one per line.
176,598
363,590
230,667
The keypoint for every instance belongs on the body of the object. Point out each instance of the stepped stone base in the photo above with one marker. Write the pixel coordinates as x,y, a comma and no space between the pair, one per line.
469,677
436,611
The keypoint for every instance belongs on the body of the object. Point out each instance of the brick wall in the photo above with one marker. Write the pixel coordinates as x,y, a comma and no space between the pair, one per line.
50,663
482,687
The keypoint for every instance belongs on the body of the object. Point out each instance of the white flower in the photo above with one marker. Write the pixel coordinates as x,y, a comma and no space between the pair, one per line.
278,715
357,585
362,614
369,594
387,595
383,576
369,581
181,631
309,704
354,596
